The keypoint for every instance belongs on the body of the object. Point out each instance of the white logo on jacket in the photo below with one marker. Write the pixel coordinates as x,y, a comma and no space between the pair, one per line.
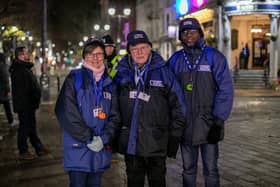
156,83
204,68
107,95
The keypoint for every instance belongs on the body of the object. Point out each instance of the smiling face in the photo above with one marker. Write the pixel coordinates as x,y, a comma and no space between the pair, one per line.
190,36
94,56
140,53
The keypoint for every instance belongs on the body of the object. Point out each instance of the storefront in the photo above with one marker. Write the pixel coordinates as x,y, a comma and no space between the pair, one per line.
254,24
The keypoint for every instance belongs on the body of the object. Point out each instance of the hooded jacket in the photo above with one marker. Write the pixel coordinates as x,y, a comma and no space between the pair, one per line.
74,111
158,119
211,97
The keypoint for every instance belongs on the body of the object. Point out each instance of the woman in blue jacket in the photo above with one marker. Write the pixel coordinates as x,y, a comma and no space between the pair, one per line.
82,109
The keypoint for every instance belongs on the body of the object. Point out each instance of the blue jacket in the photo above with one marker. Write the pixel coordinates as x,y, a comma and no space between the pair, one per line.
74,111
158,119
211,97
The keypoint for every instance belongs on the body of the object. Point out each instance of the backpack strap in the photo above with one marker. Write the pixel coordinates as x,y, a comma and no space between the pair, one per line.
80,79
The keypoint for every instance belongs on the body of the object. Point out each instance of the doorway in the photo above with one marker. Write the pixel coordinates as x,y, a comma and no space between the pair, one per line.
260,52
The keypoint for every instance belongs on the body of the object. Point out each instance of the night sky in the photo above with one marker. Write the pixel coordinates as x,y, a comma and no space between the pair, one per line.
68,20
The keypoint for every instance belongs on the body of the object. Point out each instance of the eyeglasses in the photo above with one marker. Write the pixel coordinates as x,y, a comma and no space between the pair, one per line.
190,31
96,55
135,50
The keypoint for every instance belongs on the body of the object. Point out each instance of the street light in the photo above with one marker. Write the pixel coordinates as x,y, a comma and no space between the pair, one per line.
101,30
126,13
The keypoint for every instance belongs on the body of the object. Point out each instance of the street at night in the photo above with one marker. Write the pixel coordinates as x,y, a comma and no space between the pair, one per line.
249,155
80,77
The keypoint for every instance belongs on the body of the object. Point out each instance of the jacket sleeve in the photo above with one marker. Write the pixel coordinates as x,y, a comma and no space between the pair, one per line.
224,94
34,90
68,114
114,122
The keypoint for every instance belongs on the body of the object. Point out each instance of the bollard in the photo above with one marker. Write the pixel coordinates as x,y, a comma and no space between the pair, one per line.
45,86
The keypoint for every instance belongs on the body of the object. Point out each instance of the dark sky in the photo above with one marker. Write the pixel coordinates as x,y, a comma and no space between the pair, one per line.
68,20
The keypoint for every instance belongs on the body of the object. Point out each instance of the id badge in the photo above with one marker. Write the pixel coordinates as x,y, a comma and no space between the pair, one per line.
96,111
132,94
143,96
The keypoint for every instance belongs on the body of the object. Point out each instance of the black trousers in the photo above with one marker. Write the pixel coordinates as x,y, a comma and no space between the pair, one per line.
137,167
27,129
8,111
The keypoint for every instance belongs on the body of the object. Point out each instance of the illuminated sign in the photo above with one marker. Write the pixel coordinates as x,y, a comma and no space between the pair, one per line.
184,7
246,7
240,8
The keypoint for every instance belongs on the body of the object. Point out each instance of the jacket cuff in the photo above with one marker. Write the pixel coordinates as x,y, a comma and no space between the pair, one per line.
105,139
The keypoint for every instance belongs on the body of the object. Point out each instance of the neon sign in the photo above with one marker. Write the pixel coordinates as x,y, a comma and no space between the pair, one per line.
188,6
182,7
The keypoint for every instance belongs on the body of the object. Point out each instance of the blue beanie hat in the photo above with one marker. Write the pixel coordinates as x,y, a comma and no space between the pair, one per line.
190,23
136,37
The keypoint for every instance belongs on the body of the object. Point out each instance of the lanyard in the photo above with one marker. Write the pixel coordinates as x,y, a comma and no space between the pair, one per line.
140,81
194,66
141,76
98,91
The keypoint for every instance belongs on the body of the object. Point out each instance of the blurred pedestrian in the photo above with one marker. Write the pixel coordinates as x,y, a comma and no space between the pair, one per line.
5,90
147,113
26,96
37,67
246,53
205,78
111,55
82,108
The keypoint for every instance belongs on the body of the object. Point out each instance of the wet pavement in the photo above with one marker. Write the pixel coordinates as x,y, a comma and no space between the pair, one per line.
249,154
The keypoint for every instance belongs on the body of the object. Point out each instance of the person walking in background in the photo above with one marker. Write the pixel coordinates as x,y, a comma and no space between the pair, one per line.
37,67
111,55
5,90
246,53
205,78
82,108
26,94
147,113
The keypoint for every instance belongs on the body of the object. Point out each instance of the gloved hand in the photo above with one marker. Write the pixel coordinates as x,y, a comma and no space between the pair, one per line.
216,132
96,145
172,147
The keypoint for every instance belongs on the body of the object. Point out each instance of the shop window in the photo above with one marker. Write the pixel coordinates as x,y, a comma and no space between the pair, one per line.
234,39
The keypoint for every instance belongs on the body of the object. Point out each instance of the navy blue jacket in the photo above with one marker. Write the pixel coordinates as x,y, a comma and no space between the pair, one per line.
74,111
212,95
158,120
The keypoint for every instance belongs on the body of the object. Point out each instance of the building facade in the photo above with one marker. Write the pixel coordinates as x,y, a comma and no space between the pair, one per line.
229,25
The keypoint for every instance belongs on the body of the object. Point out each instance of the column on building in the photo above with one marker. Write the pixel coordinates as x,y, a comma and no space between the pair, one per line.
273,58
227,39
220,28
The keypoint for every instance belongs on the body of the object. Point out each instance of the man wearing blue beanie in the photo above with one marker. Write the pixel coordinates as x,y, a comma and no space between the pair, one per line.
147,112
205,78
